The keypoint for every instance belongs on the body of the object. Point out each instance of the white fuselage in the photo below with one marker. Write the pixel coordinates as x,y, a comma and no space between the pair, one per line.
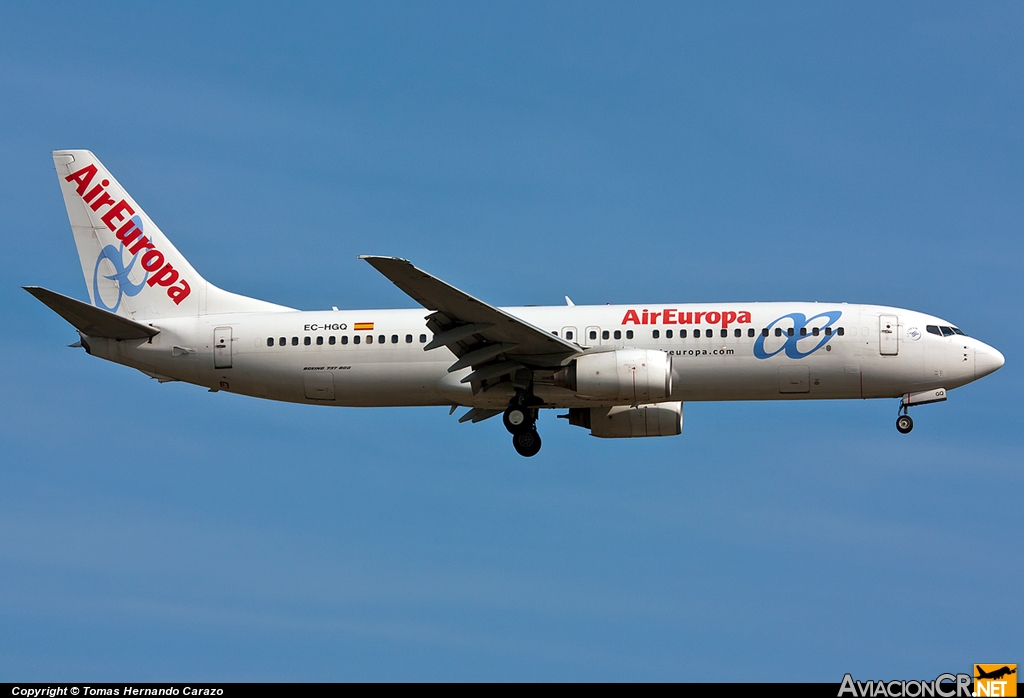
868,352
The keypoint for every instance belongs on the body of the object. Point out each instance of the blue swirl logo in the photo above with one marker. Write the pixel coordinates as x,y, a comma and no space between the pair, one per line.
791,343
125,287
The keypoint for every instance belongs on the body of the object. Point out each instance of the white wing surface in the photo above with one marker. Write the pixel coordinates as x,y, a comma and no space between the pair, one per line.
493,342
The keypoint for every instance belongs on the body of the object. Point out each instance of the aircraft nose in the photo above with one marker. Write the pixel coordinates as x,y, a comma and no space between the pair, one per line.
987,360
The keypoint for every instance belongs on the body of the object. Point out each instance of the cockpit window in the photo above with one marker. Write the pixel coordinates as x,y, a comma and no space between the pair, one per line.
933,329
946,331
957,330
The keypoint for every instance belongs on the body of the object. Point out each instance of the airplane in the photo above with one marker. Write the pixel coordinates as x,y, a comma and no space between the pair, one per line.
995,674
620,371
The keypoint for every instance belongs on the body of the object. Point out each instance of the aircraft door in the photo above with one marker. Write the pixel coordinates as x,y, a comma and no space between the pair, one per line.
888,335
591,337
222,347
570,334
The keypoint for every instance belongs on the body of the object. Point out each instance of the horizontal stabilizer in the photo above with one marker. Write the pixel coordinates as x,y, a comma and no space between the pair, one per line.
90,320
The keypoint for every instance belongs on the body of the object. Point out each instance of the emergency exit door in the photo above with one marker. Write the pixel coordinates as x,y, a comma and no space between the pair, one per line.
222,347
888,335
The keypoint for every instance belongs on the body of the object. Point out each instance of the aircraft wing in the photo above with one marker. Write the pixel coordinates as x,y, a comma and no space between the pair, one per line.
90,320
490,340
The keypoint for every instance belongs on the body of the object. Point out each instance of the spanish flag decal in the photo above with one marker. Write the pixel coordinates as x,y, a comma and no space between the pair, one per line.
363,326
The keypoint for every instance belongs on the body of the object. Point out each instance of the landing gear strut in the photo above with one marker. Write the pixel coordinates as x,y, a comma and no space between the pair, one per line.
904,423
521,422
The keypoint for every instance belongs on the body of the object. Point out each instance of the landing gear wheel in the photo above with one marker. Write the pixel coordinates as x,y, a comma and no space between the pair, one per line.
904,424
526,443
516,419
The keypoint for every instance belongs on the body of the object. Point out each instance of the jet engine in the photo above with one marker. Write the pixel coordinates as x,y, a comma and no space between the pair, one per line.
626,375
623,422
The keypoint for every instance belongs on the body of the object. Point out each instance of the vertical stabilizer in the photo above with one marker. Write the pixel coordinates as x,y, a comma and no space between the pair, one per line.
130,267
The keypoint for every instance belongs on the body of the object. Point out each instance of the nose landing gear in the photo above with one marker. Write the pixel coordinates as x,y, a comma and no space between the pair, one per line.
521,422
904,423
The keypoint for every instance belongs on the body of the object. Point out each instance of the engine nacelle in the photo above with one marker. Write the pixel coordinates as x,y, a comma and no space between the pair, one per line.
624,422
625,375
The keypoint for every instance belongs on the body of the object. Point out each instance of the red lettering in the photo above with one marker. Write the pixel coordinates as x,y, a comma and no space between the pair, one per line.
164,277
654,317
179,293
685,318
127,233
93,192
152,260
713,317
644,317
142,244
117,213
104,198
697,317
743,317
83,177
727,317
630,317
669,317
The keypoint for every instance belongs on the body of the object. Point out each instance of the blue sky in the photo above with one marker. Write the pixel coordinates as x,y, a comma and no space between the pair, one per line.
862,152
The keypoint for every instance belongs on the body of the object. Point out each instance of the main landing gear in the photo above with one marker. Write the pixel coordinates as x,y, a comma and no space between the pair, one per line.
904,423
521,422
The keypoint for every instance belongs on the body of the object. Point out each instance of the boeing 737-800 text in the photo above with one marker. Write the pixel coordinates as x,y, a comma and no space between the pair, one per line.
620,371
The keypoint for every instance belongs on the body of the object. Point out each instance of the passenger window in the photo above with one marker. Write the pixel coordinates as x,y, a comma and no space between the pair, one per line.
295,341
618,334
369,339
750,332
568,334
319,341
408,339
270,341
282,341
629,334
803,331
816,331
344,339
790,332
682,334
381,339
655,334
739,332
423,339
332,339
828,331
593,334
725,333
356,339
668,334
933,329
604,334
778,331
764,331
307,341
394,339
946,331
554,332
840,331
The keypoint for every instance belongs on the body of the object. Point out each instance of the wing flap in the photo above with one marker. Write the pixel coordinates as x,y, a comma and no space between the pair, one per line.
90,320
